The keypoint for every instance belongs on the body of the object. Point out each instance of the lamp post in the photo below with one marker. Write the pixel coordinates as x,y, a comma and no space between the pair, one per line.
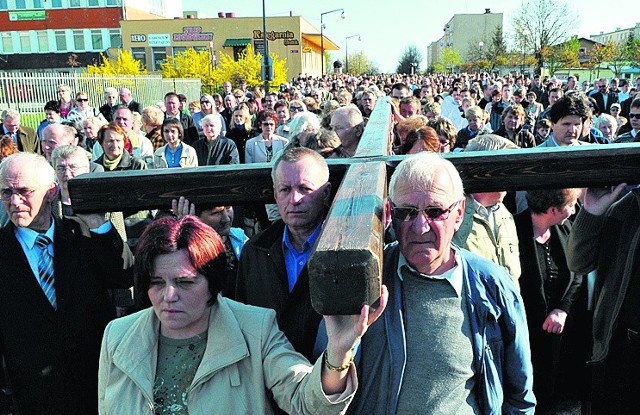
346,49
266,70
322,36
481,57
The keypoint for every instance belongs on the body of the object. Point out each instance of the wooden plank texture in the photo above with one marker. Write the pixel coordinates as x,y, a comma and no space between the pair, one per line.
346,266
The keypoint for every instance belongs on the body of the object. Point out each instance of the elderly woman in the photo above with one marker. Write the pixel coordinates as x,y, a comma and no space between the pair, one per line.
214,148
91,126
261,148
175,153
152,119
194,351
64,100
208,107
549,290
112,138
608,126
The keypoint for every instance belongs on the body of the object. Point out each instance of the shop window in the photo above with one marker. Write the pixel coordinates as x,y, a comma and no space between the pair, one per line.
179,49
158,55
7,42
43,41
25,42
140,54
115,38
61,40
96,40
78,40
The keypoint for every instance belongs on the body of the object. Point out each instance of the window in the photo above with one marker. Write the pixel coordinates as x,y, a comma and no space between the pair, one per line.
3,5
114,2
25,41
56,4
78,40
21,4
93,3
37,4
43,41
139,54
158,55
74,3
115,38
7,42
61,40
179,49
96,40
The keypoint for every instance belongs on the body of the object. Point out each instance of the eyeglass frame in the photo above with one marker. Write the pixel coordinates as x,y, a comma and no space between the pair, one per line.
24,193
413,215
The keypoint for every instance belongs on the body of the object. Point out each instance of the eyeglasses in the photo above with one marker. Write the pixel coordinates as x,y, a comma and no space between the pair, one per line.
269,123
82,99
61,168
205,102
6,194
296,109
434,213
636,116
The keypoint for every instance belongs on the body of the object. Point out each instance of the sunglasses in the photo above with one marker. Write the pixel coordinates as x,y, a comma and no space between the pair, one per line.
296,109
433,213
268,123
82,99
205,102
636,116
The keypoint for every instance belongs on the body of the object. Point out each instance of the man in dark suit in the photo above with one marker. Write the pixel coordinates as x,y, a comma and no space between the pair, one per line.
172,103
25,137
604,98
54,302
127,101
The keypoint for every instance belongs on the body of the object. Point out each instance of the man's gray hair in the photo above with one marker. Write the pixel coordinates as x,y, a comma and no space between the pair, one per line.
351,112
10,114
213,118
295,154
66,151
110,90
36,163
67,131
417,174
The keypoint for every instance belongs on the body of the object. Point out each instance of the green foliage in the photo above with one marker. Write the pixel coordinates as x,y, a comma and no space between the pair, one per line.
450,58
360,64
124,64
410,60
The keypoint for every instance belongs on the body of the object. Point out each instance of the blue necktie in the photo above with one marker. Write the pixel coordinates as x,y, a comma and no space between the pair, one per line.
45,269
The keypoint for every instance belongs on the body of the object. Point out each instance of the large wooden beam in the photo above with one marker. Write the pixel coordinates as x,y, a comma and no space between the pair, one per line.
239,184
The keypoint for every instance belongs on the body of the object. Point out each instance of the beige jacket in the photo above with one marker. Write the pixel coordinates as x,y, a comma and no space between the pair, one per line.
246,357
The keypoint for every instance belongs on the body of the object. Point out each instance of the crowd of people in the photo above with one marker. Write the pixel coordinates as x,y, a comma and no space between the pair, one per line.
494,301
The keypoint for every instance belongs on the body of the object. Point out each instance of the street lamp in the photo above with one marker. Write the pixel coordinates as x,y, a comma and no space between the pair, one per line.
322,36
346,49
480,46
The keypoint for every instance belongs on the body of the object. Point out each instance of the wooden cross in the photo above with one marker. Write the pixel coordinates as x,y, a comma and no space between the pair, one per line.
346,266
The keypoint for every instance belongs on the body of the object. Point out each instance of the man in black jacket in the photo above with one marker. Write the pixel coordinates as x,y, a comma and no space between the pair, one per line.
172,103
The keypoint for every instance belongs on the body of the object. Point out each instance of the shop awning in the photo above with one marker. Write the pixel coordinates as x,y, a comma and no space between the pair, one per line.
315,39
230,43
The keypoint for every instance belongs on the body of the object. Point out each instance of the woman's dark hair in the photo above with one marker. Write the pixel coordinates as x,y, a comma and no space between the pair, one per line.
267,115
173,123
169,234
52,106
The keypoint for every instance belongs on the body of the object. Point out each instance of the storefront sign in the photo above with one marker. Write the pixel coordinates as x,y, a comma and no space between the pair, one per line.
192,34
27,15
159,39
258,46
291,42
257,34
138,38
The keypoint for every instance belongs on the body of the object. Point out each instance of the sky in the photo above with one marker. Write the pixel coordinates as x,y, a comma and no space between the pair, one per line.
387,28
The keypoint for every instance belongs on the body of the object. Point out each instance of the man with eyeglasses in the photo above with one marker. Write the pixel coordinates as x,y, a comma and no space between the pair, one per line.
53,285
454,337
634,121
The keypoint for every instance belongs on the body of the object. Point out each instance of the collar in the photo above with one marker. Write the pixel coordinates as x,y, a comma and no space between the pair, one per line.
29,235
453,276
484,211
307,245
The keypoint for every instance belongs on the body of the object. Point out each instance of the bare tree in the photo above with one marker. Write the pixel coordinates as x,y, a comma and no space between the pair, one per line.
540,24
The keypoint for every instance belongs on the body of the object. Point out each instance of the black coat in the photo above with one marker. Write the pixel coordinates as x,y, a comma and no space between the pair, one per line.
612,98
52,356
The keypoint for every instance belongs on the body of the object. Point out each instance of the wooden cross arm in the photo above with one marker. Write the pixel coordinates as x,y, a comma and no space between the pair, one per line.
346,266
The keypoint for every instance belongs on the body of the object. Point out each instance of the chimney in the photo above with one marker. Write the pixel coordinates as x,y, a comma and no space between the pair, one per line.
221,15
487,11
230,15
